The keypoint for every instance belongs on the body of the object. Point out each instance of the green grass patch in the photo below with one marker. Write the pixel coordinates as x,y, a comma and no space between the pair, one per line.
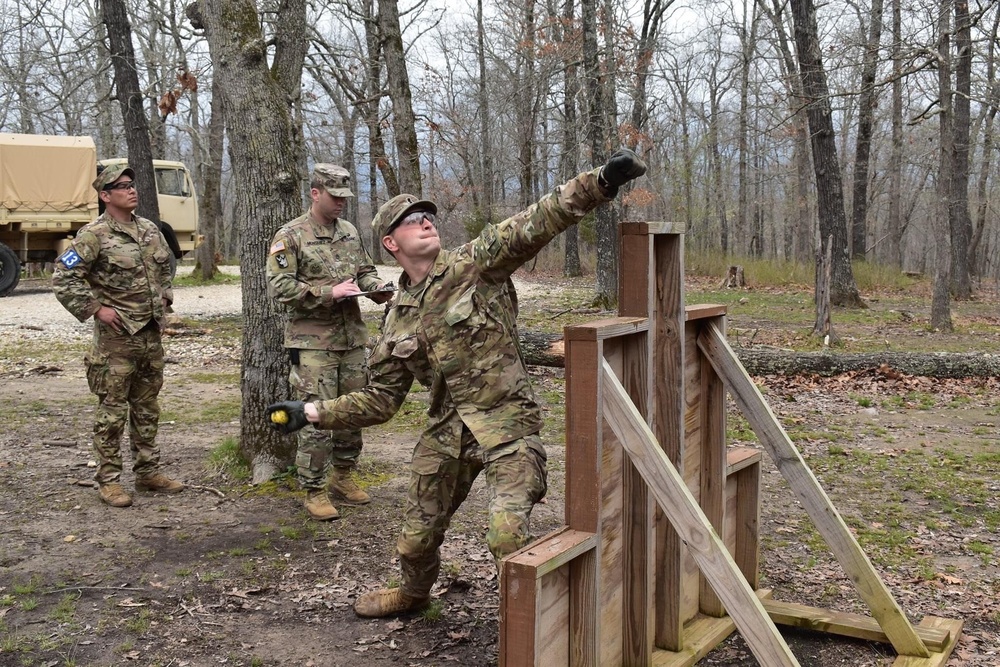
227,459
185,278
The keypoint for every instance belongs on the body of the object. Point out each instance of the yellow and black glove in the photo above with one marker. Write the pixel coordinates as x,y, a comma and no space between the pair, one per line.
287,416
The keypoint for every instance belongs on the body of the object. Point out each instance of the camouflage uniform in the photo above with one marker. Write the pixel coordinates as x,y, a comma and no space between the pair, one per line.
455,333
326,339
125,267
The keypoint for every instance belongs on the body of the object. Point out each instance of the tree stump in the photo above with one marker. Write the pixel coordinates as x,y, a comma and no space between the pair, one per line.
734,278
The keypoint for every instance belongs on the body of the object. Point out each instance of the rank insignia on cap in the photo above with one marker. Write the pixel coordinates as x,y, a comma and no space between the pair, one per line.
282,260
278,246
69,258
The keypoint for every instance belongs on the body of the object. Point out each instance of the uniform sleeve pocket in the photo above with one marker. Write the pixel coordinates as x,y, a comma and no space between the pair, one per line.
404,349
161,256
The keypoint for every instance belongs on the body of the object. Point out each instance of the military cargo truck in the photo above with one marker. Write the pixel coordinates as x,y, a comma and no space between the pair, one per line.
46,196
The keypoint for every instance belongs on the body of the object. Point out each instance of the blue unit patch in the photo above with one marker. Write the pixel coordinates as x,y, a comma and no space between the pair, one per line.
69,258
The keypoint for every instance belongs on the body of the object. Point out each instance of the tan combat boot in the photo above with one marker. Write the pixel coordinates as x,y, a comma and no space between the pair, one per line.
113,494
319,506
386,602
158,482
343,487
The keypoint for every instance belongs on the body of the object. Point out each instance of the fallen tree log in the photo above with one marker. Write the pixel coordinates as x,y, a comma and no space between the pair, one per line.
542,349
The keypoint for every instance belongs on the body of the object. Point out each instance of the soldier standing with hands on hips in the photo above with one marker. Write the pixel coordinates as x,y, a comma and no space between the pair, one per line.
453,328
316,268
117,271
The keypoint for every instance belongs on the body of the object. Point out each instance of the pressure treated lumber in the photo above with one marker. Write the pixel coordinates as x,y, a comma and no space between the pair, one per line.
809,492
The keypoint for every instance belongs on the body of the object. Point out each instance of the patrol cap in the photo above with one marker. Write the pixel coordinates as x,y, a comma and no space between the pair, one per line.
397,208
111,174
334,178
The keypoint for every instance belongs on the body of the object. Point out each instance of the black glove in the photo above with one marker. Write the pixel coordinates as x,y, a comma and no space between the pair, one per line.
621,168
287,416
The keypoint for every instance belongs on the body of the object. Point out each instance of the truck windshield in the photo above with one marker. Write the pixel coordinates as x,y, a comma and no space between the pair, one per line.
171,182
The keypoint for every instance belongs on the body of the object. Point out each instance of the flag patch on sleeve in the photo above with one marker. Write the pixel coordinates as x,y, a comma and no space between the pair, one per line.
69,259
277,246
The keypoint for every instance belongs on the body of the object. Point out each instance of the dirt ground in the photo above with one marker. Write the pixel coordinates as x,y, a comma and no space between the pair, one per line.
228,574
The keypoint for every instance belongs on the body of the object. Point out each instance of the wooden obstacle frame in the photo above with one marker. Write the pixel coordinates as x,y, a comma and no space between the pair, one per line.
659,559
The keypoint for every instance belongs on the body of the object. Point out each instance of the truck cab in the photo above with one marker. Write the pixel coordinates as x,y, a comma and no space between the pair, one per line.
46,197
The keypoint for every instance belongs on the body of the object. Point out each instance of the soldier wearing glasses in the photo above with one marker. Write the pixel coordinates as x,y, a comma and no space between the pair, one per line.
117,271
453,328
316,267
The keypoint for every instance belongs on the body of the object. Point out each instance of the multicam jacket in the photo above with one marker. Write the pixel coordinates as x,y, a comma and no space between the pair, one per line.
110,264
456,334
307,258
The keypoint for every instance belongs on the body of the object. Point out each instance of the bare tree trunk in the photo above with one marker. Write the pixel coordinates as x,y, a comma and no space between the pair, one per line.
982,193
485,119
829,184
140,156
265,172
748,37
941,299
524,104
404,123
569,162
210,215
597,133
862,153
959,219
894,250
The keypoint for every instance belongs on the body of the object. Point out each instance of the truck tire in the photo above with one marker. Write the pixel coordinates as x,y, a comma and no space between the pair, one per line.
10,270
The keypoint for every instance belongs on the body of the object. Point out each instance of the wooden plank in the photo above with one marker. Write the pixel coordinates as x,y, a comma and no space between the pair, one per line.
634,283
701,636
714,462
645,227
611,549
553,618
518,616
582,433
690,467
554,550
692,525
738,458
845,623
637,518
809,492
583,628
667,315
939,658
611,327
703,310
747,522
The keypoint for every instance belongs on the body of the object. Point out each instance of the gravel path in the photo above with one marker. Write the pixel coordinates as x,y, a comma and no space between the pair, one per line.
32,311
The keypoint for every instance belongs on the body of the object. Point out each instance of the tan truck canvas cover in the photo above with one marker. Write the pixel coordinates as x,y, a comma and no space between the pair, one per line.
47,173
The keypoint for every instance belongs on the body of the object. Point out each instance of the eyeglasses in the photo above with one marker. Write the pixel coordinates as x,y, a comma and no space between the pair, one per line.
416,218
125,185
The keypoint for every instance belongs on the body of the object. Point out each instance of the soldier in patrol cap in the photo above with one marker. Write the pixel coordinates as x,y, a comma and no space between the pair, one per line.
117,271
316,268
453,328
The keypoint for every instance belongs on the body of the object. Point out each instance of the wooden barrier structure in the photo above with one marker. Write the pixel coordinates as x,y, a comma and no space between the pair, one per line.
659,558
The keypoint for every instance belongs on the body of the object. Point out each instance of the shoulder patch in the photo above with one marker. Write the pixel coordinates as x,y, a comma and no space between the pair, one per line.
69,259
277,246
281,260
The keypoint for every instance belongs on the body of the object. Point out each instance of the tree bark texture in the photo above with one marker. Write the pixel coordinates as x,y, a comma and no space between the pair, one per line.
941,296
569,157
140,155
959,217
862,150
404,123
210,204
262,152
829,183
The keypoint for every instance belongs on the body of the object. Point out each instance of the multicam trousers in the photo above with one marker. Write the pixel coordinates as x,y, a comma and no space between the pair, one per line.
319,376
125,372
516,478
